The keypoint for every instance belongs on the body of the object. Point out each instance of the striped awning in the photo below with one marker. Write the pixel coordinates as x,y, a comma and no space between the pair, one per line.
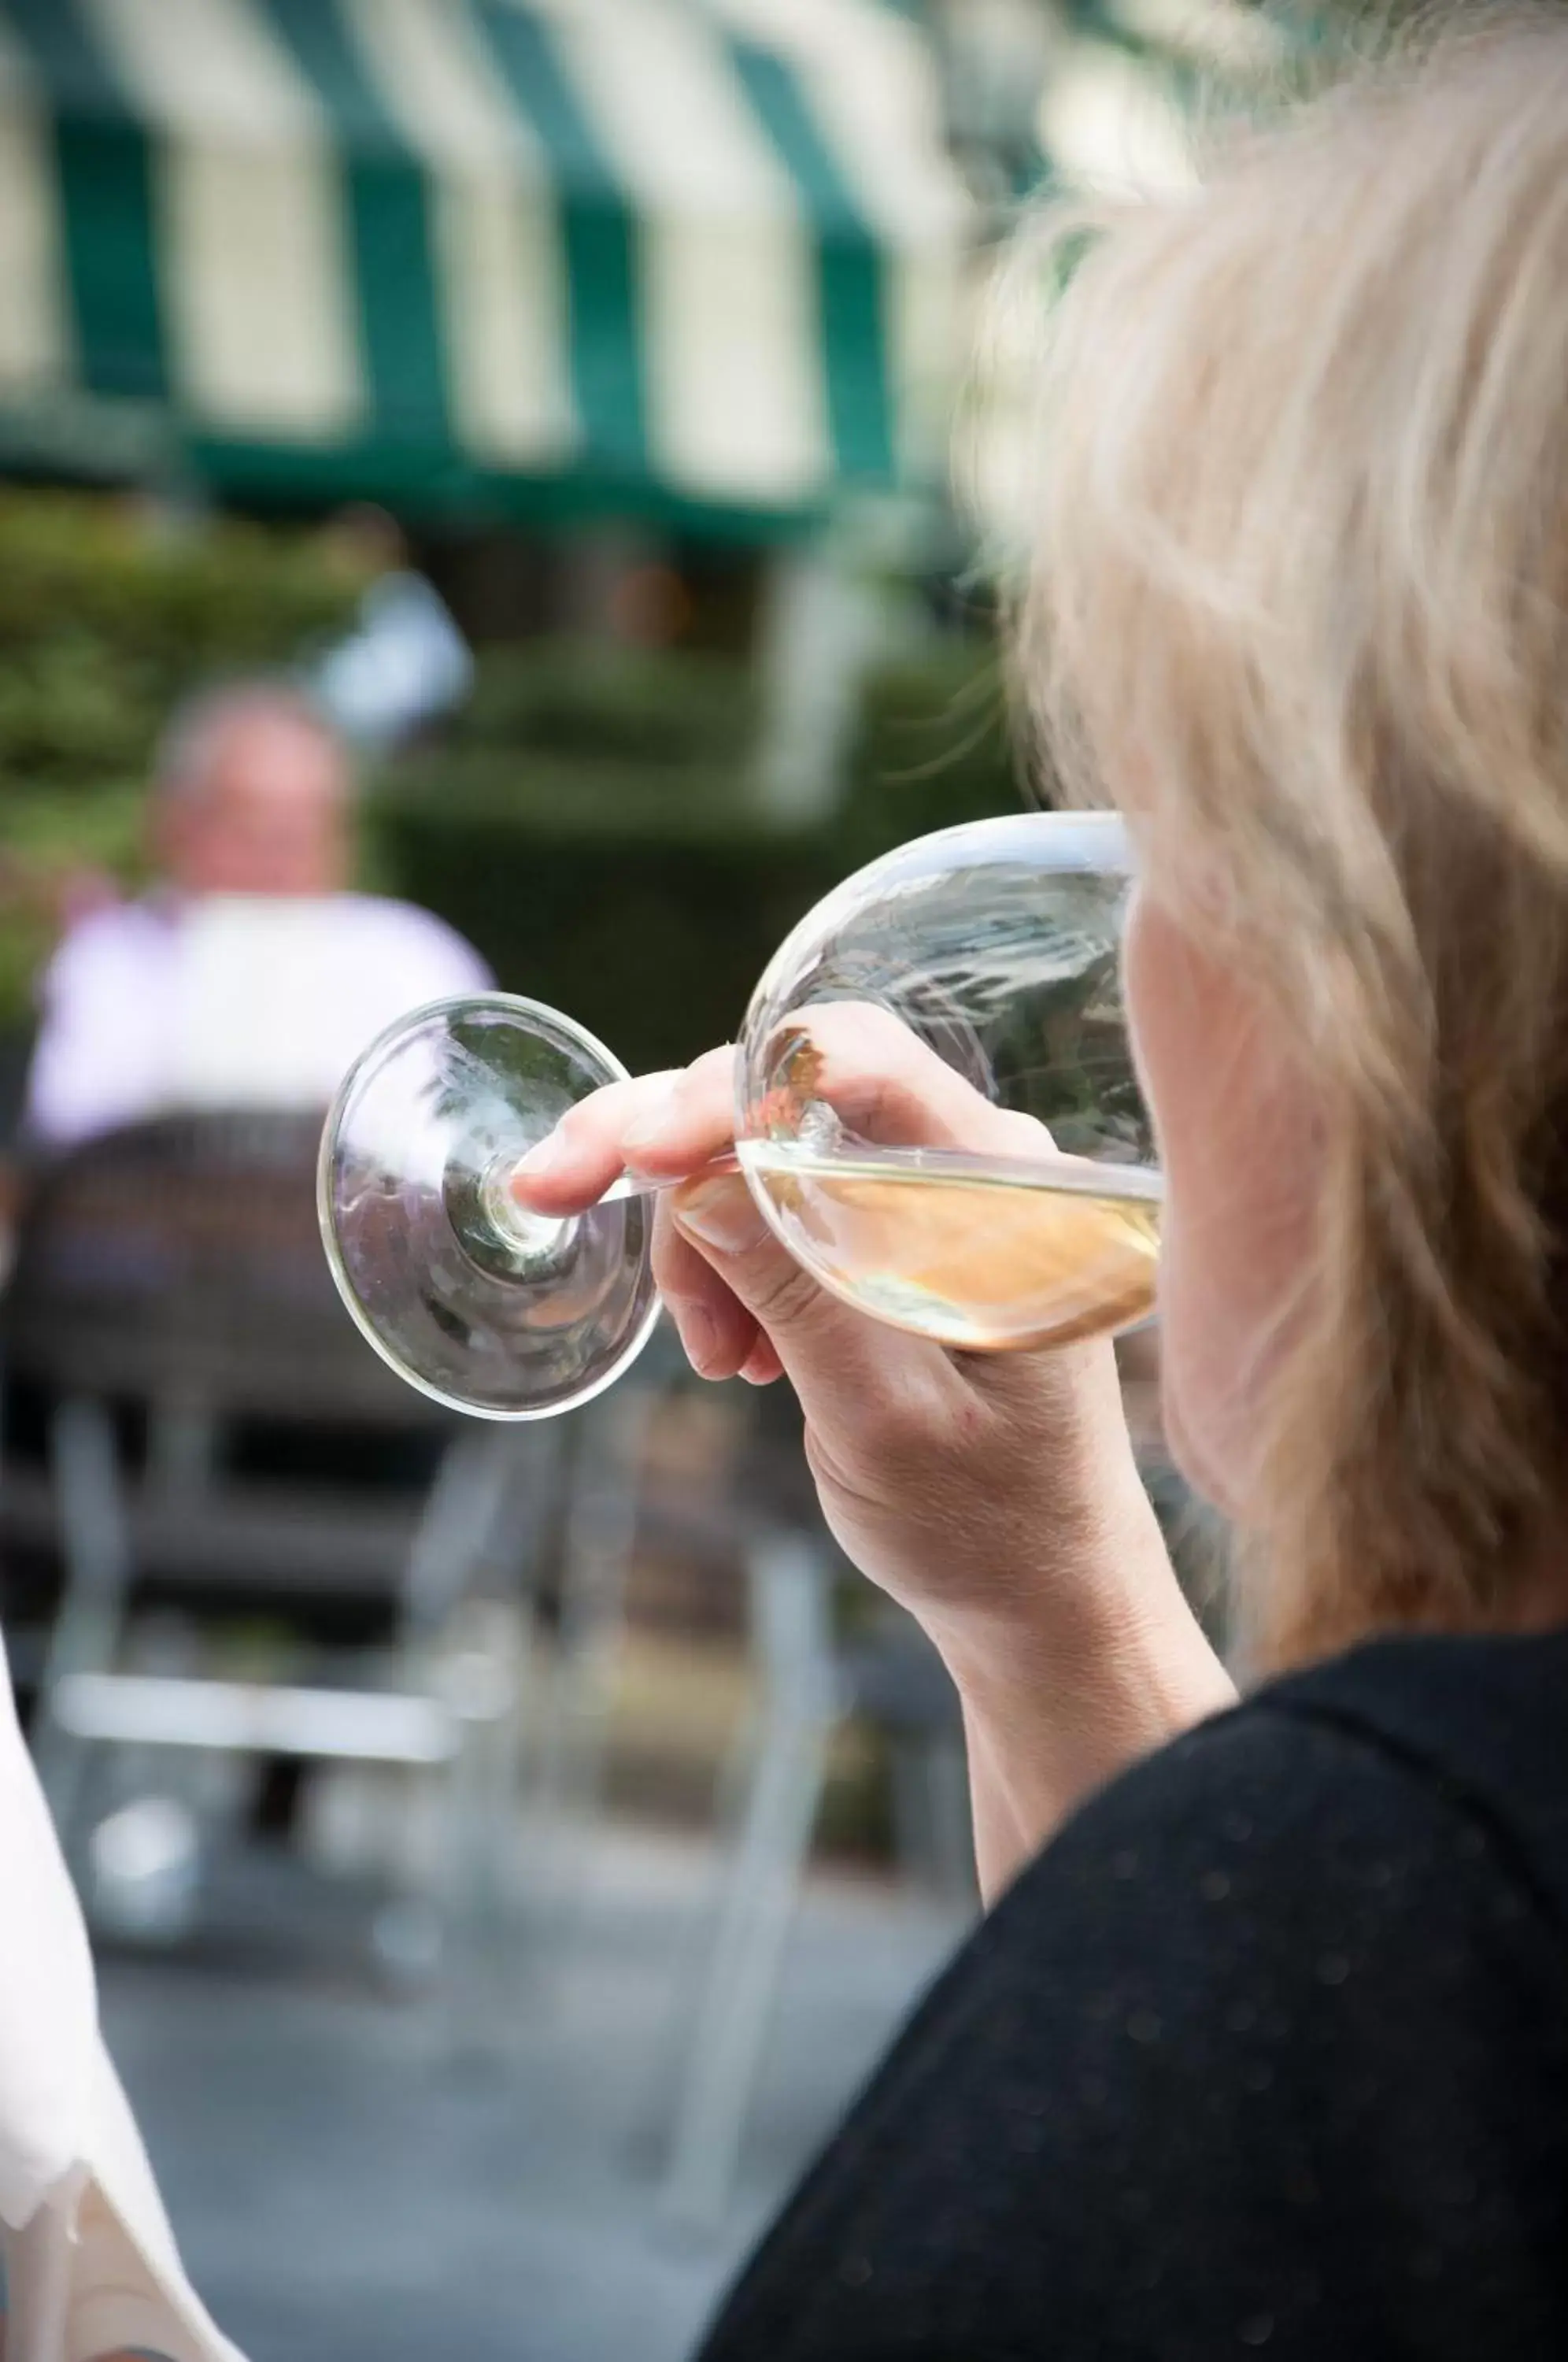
619,251
1134,82
1132,88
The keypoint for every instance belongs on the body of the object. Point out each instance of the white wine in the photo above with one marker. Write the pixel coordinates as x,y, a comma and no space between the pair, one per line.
986,1258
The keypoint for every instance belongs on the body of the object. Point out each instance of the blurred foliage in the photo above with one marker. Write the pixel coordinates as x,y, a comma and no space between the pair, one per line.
48,843
662,711
110,610
587,821
934,747
588,827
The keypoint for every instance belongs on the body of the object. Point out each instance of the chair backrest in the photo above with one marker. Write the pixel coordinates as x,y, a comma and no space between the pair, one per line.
181,1259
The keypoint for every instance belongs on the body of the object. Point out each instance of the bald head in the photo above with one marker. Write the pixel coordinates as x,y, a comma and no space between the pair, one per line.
253,794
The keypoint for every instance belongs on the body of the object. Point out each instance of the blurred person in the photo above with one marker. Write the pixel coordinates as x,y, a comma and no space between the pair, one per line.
249,976
1264,2042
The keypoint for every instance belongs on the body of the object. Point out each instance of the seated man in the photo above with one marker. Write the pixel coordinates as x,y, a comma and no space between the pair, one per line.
249,976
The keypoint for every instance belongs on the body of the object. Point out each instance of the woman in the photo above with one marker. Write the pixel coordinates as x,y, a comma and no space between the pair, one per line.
1264,2043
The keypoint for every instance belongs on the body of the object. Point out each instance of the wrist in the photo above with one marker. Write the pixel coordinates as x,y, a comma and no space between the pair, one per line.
1080,1669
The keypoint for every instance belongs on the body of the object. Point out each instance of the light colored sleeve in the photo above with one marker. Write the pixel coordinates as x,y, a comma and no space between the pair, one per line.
49,2010
392,957
91,2265
102,1031
438,958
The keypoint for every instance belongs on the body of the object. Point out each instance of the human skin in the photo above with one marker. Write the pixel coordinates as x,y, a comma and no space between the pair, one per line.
1238,1145
269,814
995,1496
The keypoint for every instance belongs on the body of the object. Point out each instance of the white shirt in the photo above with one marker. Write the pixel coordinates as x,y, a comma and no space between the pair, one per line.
233,1000
91,2270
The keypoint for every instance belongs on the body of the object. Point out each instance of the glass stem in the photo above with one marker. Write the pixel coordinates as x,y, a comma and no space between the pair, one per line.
541,1234
638,1185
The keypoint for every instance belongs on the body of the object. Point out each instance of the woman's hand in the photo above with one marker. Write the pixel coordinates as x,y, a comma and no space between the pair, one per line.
995,1494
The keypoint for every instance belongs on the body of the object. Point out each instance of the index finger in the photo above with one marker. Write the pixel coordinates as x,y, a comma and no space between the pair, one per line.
664,1125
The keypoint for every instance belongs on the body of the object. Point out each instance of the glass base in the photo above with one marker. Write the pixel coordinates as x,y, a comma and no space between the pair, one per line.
482,1304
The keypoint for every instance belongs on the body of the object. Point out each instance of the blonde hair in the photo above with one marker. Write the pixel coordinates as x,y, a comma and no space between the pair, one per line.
1299,601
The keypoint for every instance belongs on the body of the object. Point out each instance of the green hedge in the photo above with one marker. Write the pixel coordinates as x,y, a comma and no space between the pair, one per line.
653,937
109,612
659,711
586,822
643,896
934,747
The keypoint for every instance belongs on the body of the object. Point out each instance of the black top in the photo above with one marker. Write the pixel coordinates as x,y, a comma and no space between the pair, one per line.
1268,2052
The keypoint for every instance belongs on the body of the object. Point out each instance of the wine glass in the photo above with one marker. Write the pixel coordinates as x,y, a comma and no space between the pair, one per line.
935,1109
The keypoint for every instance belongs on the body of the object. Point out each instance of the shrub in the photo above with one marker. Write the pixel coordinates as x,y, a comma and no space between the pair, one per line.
644,896
658,710
108,614
933,747
585,820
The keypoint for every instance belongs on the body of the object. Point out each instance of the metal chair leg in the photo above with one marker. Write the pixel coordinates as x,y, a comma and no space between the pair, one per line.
789,1587
90,1617
473,1650
599,1538
482,1682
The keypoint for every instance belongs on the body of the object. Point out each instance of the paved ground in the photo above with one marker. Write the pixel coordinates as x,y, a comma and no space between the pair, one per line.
346,2192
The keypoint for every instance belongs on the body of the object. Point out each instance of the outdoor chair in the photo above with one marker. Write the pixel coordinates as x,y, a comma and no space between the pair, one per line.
811,1681
763,1528
169,1304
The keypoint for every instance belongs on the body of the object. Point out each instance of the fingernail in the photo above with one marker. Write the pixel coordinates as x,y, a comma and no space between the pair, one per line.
699,1335
722,1213
543,1155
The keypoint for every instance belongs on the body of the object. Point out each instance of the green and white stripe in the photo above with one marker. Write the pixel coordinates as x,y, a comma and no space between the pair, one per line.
702,248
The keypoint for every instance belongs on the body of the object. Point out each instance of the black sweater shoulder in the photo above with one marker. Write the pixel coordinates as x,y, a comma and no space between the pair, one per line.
1268,2049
